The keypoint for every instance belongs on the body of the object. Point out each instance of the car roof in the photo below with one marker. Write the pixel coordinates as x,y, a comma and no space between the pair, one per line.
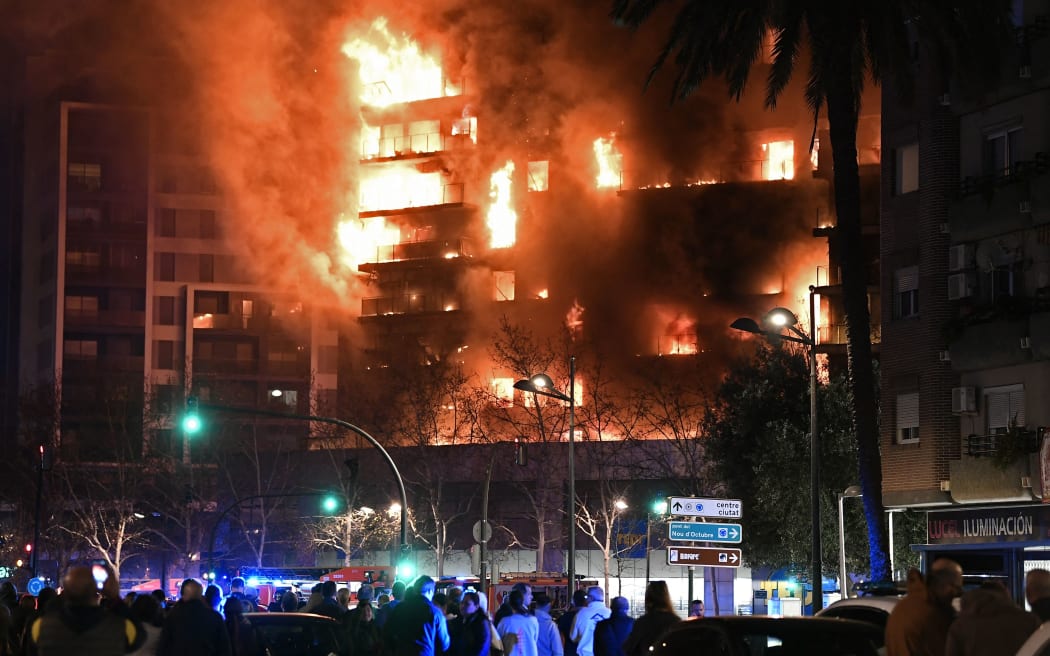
287,618
885,603
767,622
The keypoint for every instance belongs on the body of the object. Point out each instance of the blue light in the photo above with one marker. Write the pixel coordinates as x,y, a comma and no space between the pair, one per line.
253,581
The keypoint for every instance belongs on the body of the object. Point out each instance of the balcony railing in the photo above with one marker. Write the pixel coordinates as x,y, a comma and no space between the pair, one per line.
122,318
423,250
984,184
408,304
999,444
836,334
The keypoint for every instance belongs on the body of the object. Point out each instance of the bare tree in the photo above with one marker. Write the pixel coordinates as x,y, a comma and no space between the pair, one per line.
600,508
354,530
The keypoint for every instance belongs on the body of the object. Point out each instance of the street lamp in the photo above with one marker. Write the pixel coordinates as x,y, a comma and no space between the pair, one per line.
542,385
659,508
773,323
851,491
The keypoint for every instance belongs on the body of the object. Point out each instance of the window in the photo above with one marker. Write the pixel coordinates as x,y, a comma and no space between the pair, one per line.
164,311
503,285
211,302
165,222
908,418
80,349
1002,151
906,292
166,266
164,354
425,136
207,268
503,391
85,177
83,216
85,307
1004,407
538,172
207,224
89,258
1003,282
906,169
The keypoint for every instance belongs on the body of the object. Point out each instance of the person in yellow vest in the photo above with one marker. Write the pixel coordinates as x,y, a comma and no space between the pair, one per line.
79,623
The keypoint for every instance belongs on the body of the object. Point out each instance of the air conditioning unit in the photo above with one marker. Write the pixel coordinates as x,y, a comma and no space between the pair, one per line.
1026,481
959,286
944,356
945,99
1026,342
964,400
1024,207
946,486
960,257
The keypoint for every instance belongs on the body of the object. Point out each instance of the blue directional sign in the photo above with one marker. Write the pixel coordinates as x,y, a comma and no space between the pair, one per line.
709,532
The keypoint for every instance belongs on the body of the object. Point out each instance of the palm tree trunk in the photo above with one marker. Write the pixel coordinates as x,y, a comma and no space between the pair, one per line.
848,241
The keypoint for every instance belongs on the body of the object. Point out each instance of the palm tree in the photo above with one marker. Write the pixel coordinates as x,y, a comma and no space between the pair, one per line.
848,43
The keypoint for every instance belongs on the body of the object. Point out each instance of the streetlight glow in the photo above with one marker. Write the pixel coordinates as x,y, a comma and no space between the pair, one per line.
394,509
620,504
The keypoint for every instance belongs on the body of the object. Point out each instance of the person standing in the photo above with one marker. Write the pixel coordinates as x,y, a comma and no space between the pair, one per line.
579,600
586,619
659,616
329,606
919,623
696,608
397,594
78,624
549,642
519,630
469,631
415,626
364,634
506,609
1037,592
989,624
611,633
237,592
191,628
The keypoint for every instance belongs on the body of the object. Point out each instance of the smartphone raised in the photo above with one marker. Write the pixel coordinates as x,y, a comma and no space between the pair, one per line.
101,574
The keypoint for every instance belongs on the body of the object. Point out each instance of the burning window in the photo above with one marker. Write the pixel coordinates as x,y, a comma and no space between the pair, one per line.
424,136
679,337
400,187
501,218
503,391
466,127
503,285
610,163
779,161
393,68
538,176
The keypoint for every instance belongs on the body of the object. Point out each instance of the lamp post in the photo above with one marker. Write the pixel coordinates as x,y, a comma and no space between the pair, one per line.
773,323
659,508
851,491
542,385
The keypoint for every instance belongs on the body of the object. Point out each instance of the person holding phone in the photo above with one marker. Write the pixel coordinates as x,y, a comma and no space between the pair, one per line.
81,624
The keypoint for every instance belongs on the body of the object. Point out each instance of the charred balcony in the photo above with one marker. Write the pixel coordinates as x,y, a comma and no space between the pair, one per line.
410,303
452,250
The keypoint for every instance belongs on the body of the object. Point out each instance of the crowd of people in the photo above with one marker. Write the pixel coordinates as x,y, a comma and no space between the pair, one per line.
987,622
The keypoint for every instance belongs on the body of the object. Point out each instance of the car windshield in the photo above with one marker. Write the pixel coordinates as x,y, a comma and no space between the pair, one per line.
771,639
297,639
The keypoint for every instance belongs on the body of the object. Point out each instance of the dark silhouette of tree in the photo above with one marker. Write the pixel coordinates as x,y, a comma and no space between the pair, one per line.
848,43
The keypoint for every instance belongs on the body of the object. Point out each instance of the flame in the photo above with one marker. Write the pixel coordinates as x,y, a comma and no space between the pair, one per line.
574,319
396,187
610,162
780,160
360,239
393,69
543,293
502,219
679,337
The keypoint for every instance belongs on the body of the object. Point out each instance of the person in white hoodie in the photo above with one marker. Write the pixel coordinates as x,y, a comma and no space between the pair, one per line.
586,619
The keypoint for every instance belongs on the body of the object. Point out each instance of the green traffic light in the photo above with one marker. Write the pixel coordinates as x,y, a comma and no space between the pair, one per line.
191,421
405,570
329,504
660,507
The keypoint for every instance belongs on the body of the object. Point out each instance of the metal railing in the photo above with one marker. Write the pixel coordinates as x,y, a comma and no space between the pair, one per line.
989,445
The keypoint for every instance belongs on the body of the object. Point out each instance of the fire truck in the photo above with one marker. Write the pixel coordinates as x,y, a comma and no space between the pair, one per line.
554,584
381,578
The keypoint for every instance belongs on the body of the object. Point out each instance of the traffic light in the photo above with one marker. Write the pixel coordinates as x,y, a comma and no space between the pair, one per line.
329,504
191,419
660,507
405,567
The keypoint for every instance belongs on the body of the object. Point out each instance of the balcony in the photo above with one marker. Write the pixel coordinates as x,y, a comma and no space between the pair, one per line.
409,304
999,467
422,250
1006,201
1001,336
225,366
102,364
835,335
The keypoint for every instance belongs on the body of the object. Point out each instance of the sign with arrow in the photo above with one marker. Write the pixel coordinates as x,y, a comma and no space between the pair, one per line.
704,556
708,532
699,507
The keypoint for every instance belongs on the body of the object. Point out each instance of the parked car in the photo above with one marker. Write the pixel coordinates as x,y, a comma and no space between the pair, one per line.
874,609
757,635
296,634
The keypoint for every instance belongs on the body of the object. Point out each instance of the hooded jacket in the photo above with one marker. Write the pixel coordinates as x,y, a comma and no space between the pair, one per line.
84,630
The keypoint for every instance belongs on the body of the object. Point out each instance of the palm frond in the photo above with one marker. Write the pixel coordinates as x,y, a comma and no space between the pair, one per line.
786,47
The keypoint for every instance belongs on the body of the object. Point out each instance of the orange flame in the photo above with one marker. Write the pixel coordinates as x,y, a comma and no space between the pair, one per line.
501,218
393,69
360,239
610,162
574,319
400,186
780,160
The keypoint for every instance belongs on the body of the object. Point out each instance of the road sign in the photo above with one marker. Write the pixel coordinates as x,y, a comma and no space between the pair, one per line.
704,556
482,531
705,532
694,507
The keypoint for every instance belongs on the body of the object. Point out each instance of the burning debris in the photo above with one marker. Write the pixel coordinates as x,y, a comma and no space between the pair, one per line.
502,219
